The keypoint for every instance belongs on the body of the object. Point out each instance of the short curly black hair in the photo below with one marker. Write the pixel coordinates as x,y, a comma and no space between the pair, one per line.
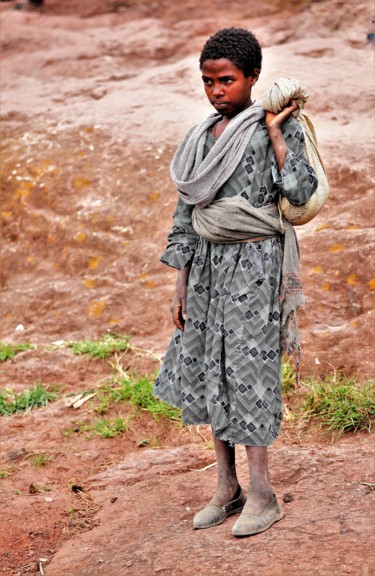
238,45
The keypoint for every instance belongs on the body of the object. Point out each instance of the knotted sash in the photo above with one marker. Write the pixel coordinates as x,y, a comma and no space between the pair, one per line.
231,220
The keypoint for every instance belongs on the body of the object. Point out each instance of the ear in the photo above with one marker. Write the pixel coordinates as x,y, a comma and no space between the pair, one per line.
254,76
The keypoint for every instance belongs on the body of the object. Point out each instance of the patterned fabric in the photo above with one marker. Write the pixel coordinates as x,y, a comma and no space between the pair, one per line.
224,369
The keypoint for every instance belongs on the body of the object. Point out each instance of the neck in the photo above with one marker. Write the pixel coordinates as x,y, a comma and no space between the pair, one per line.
247,105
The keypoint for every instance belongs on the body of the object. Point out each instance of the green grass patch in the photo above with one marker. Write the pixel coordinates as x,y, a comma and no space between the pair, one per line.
340,404
40,459
12,402
9,350
104,427
103,348
80,426
109,428
288,377
105,398
137,391
7,471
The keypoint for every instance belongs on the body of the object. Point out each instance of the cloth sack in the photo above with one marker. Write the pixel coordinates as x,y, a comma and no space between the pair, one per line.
274,100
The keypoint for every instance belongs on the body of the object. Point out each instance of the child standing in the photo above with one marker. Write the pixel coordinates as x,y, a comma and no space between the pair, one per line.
237,287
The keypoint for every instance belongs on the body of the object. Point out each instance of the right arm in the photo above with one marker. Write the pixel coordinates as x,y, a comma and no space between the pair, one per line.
182,238
179,254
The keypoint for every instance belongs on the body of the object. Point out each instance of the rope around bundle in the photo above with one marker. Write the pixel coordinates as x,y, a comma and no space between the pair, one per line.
274,100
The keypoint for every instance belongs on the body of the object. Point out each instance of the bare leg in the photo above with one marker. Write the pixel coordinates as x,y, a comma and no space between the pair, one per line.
225,501
227,482
262,508
260,489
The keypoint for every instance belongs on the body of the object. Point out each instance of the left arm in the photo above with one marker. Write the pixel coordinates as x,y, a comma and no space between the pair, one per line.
274,123
292,174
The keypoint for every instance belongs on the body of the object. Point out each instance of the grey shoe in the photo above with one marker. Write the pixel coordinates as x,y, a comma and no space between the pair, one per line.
248,524
213,515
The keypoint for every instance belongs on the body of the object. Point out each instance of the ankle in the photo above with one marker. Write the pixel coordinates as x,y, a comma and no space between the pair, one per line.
261,492
226,493
258,501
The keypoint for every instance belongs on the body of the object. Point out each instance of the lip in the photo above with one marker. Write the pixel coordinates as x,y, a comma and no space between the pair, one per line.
220,104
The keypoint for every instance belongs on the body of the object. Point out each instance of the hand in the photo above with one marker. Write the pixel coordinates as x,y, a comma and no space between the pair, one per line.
178,311
178,306
275,121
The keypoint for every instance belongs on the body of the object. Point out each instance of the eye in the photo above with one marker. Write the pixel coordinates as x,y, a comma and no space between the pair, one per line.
227,81
207,81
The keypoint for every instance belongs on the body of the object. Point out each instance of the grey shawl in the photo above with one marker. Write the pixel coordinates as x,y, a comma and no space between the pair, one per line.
230,220
199,178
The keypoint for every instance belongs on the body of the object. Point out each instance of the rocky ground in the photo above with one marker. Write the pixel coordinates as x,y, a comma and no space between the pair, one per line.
94,97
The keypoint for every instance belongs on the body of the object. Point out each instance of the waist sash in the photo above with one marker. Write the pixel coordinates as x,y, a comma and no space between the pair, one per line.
232,220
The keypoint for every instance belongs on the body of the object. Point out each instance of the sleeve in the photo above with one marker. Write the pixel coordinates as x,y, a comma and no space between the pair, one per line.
182,238
297,180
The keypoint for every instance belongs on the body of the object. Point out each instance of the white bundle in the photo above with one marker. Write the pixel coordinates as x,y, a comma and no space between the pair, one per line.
274,100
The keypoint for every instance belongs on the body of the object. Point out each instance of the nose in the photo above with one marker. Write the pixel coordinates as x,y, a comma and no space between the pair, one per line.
217,90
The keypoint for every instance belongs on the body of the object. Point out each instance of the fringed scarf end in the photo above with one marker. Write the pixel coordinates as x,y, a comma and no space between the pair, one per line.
291,342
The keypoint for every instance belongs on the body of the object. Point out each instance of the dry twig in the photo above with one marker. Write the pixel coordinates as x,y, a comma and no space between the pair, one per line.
77,401
368,485
207,467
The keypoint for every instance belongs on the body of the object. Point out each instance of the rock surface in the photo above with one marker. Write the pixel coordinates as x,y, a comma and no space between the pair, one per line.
145,527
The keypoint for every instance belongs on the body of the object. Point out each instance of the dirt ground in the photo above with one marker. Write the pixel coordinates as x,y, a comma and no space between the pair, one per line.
94,98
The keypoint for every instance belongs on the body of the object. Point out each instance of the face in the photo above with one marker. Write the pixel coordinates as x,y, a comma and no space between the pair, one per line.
226,86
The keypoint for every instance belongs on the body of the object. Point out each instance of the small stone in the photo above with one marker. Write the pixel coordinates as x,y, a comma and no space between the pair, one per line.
288,497
98,93
16,455
33,489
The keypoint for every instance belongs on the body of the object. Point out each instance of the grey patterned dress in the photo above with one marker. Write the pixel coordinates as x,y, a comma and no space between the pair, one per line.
225,367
